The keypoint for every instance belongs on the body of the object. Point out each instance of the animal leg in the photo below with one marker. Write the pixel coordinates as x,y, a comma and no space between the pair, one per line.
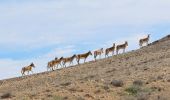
78,61
57,66
47,68
84,60
64,64
140,44
105,55
70,63
52,68
61,65
94,57
22,74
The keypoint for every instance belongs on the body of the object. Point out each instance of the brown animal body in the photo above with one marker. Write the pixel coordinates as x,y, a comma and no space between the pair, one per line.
83,56
144,40
58,62
121,46
68,60
98,52
27,69
111,49
51,64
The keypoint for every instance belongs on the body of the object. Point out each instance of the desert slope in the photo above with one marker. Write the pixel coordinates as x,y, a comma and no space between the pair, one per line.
144,74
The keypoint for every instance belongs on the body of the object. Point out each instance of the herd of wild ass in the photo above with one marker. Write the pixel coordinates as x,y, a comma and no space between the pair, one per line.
52,65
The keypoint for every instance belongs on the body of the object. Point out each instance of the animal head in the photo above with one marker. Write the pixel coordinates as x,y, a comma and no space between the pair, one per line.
126,43
102,50
113,44
74,56
149,35
56,58
61,58
32,64
90,53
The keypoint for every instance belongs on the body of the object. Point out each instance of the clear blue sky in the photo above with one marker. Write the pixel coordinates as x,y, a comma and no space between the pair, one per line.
38,30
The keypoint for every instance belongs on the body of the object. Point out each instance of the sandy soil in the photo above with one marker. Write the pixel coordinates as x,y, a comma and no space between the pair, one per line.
149,67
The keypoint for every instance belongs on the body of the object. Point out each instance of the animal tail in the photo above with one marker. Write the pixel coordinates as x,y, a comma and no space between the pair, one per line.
140,44
47,67
22,72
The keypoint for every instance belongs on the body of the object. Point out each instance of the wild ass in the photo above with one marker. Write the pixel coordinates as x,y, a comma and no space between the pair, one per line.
98,52
51,64
83,56
121,46
111,49
144,40
68,60
27,69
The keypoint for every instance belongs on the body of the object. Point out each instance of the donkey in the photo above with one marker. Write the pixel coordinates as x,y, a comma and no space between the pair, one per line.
111,49
121,46
57,62
69,59
51,64
98,52
144,40
27,69
83,56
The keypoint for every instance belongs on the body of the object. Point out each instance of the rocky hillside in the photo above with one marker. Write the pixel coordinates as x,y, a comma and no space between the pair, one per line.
142,74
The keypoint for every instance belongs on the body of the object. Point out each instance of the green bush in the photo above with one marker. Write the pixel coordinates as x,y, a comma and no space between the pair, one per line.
133,90
57,98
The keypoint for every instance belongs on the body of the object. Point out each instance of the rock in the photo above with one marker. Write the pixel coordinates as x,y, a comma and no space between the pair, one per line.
138,82
159,77
157,88
66,84
143,96
105,87
6,95
65,98
97,91
168,80
117,83
89,96
80,98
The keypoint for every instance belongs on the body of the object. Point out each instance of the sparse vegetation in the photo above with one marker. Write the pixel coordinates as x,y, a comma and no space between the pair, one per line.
138,92
80,98
57,97
133,90
125,78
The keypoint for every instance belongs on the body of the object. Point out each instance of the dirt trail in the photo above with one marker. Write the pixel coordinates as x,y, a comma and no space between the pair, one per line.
149,67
